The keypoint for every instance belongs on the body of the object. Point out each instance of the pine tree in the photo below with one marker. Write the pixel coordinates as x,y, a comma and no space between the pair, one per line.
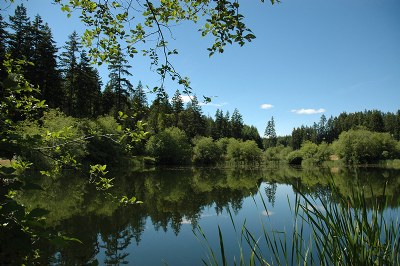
177,108
192,119
70,68
120,84
236,124
44,72
88,88
19,43
270,134
3,38
160,113
139,103
218,125
321,129
226,126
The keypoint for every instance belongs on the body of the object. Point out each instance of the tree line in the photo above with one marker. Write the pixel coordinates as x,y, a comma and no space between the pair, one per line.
69,82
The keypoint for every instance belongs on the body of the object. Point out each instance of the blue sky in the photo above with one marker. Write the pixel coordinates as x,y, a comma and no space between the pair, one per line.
310,57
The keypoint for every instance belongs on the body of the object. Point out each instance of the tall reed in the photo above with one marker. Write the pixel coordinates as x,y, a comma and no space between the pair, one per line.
341,231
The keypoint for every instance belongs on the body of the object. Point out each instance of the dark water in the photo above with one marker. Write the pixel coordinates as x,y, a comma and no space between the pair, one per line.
178,201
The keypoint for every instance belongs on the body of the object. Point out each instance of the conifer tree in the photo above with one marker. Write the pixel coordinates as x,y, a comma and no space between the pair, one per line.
192,119
120,84
69,66
236,124
139,103
19,43
177,108
44,72
88,88
270,134
3,38
218,125
160,113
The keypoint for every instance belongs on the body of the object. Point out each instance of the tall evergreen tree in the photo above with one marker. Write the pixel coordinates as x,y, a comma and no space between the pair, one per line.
192,119
217,132
88,88
226,126
160,113
44,72
177,108
236,124
19,42
270,134
139,103
321,129
120,84
69,66
3,45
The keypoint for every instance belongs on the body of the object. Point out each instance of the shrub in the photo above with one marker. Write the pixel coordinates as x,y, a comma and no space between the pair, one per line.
244,152
315,154
206,151
363,146
55,129
170,146
104,149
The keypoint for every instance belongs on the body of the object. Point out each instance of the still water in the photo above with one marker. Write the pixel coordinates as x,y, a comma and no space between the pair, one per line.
179,201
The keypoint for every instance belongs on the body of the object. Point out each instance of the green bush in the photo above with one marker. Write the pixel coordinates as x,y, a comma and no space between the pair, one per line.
103,148
54,136
315,154
363,146
244,152
276,154
170,146
206,151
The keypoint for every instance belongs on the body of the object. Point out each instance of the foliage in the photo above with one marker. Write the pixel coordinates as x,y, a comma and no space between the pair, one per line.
270,134
246,152
206,151
295,157
363,146
340,235
277,154
54,138
170,146
315,154
105,147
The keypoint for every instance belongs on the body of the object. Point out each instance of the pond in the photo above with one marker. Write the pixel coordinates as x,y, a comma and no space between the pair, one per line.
179,203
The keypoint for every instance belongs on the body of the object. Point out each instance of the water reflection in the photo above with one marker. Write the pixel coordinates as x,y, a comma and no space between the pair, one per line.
176,198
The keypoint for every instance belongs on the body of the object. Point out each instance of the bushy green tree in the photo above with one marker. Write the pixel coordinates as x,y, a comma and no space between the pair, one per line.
170,146
363,146
246,152
277,154
53,131
315,154
206,151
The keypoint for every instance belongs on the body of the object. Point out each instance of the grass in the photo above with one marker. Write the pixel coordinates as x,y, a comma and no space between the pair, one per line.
344,231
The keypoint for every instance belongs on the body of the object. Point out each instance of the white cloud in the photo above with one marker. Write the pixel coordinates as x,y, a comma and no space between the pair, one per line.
266,106
310,111
186,98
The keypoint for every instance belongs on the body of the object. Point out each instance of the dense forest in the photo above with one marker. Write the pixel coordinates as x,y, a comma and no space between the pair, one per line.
76,97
